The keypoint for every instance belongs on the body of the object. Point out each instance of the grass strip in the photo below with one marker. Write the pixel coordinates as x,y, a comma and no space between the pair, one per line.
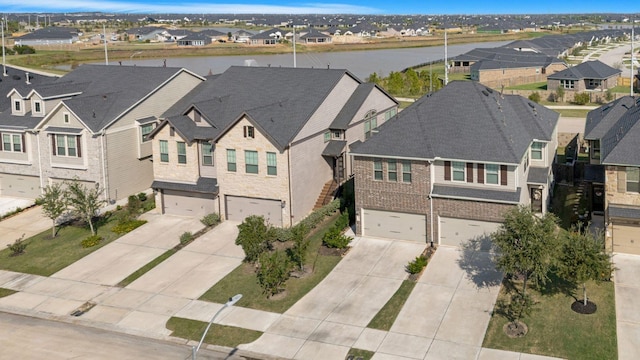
6,292
146,268
361,354
385,318
222,335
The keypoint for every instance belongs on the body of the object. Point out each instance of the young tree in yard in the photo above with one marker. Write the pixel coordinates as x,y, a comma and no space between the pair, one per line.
301,243
526,245
255,237
583,258
559,94
273,271
85,202
54,203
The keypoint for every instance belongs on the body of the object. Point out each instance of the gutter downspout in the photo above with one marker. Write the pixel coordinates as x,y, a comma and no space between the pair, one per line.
290,182
431,178
36,133
104,166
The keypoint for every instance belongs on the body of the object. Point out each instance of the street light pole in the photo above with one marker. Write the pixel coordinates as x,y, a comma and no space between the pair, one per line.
231,302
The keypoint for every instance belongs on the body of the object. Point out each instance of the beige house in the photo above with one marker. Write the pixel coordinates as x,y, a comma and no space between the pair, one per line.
91,124
590,75
445,170
263,141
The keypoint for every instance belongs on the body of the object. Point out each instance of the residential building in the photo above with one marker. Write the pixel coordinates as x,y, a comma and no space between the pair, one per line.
49,36
589,75
263,141
613,134
447,168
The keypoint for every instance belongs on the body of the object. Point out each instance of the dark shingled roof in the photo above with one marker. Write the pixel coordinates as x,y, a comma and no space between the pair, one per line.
334,148
459,192
538,175
204,186
50,33
352,106
498,58
600,120
57,129
463,121
188,129
586,70
624,211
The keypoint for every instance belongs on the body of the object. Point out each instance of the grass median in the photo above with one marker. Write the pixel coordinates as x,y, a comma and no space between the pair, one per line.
229,336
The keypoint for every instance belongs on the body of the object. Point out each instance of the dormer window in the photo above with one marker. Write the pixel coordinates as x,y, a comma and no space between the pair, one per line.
17,105
65,118
197,117
249,132
336,134
37,107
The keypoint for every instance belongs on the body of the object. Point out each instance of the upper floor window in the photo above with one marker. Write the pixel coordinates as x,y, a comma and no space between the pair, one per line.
370,123
12,142
164,151
458,168
392,170
207,154
595,152
406,171
65,118
231,160
251,161
336,134
182,152
37,107
633,179
272,164
249,132
327,136
145,130
390,113
17,105
492,173
197,117
66,145
536,150
377,169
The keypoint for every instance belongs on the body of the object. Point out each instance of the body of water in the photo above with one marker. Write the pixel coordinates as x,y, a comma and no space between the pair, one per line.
360,63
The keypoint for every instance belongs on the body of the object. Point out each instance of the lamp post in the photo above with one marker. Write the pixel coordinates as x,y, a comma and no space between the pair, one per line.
231,302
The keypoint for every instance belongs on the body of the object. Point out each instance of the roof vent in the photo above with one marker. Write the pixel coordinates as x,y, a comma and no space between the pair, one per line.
490,90
531,106
15,77
485,92
27,76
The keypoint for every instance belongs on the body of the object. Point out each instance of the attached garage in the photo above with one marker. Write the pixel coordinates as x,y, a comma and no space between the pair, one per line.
394,225
183,203
626,238
240,207
455,232
19,186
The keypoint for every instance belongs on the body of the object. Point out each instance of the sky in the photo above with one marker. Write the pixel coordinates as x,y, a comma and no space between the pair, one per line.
381,7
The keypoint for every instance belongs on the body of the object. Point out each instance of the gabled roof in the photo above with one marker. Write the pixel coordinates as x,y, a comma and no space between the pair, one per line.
601,120
50,33
341,122
269,34
619,144
463,121
498,58
586,70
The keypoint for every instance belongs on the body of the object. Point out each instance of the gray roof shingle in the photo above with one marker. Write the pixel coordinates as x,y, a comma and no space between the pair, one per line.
204,186
624,211
344,117
538,175
465,193
586,70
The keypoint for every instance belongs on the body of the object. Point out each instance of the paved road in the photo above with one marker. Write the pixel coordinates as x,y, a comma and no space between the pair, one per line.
614,57
27,338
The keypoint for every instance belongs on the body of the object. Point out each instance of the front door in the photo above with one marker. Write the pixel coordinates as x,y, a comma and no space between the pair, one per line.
536,200
597,196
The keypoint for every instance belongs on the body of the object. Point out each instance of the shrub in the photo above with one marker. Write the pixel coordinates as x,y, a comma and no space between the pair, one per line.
18,246
255,237
608,95
134,205
317,216
142,197
273,272
581,98
186,238
91,241
127,226
415,266
148,205
335,239
283,234
210,219
535,97
301,242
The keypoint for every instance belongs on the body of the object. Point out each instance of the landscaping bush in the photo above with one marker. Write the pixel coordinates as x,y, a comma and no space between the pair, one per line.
91,241
134,205
186,238
127,226
317,216
142,197
301,242
535,97
581,98
255,237
210,219
18,246
283,234
148,205
334,238
273,271
415,266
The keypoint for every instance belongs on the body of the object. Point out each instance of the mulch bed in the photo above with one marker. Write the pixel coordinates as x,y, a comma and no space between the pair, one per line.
580,308
515,329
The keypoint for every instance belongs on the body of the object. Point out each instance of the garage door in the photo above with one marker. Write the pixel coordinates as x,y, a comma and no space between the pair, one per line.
455,232
19,186
626,239
395,225
239,207
187,204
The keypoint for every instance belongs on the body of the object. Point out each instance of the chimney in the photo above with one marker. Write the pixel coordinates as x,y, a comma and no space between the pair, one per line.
27,76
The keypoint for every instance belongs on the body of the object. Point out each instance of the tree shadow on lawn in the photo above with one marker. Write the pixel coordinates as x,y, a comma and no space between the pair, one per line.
476,259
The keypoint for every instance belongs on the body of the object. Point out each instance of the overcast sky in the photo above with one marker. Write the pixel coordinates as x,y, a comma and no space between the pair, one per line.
331,7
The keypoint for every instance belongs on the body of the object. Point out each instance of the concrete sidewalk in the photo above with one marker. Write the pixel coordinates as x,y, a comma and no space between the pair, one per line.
627,290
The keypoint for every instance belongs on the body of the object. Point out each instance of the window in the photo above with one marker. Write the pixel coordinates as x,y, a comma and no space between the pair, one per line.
406,171
17,105
633,179
389,114
145,130
536,150
337,134
458,170
37,107
251,161
164,151
327,136
207,154
392,170
196,116
272,165
231,160
567,84
249,132
182,152
377,169
526,161
66,145
492,173
12,142
595,154
370,123
66,118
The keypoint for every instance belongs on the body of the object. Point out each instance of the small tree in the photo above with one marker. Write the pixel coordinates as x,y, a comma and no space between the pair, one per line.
85,202
581,98
608,95
54,203
559,94
273,271
535,97
526,245
255,237
301,243
583,258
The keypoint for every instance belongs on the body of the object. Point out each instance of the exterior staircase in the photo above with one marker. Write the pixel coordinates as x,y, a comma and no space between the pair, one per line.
326,195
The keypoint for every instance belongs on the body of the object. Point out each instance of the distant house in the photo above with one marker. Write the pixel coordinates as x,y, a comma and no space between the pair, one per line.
195,39
144,33
241,36
49,36
590,75
312,36
268,37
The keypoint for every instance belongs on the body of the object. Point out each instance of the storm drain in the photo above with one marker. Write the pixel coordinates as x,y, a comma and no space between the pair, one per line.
83,309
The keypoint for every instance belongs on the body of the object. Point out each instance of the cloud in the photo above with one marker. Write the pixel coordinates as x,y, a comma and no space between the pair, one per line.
178,8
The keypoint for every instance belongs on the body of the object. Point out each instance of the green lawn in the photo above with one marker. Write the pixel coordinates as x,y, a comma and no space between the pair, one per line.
532,86
579,113
217,335
620,89
364,354
6,292
243,280
387,315
564,198
556,330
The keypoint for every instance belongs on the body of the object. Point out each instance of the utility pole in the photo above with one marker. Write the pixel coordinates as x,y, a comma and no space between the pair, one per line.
294,45
446,61
631,77
106,56
4,64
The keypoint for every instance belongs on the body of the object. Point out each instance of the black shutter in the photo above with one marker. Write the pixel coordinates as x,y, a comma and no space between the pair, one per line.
480,173
503,174
78,146
53,144
24,145
469,172
447,170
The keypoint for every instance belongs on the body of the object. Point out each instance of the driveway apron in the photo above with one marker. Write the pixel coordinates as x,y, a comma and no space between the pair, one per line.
627,290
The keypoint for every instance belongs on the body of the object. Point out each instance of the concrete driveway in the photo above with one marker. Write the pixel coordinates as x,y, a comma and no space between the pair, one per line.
332,317
29,222
9,204
627,289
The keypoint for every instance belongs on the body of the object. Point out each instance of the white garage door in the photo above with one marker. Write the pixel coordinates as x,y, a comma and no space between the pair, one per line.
455,232
240,207
626,239
394,225
19,186
187,204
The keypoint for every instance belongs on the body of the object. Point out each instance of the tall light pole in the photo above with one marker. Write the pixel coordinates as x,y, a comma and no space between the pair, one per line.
231,302
631,77
4,64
